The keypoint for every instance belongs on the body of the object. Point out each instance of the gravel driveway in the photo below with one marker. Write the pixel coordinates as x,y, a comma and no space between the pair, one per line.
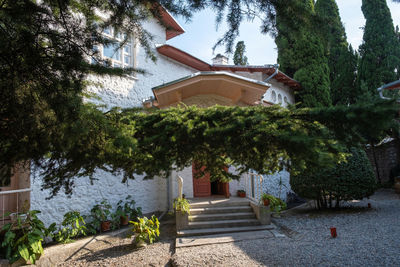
366,237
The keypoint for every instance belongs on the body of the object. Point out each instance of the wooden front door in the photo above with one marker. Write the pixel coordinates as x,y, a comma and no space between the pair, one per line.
201,186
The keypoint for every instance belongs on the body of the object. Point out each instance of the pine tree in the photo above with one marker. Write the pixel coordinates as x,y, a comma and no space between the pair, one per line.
239,58
380,50
301,53
341,58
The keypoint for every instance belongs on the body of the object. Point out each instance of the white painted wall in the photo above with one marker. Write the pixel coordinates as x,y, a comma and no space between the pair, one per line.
279,89
124,92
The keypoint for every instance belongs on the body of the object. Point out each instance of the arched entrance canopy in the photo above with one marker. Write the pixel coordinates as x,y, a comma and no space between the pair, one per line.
236,88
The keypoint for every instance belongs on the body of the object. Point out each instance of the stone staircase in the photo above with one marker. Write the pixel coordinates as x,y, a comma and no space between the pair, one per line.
224,216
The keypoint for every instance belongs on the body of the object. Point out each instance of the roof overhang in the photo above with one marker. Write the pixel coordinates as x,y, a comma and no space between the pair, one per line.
392,85
191,61
228,85
173,27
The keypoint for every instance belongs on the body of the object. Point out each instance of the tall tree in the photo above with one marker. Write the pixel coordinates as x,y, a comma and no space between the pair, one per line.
301,53
342,60
380,50
239,57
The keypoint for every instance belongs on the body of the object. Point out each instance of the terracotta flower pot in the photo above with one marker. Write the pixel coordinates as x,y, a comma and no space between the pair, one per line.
242,194
124,220
105,226
266,202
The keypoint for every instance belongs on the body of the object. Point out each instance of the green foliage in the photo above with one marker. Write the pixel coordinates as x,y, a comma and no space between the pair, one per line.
275,204
23,238
181,205
73,226
156,142
301,53
342,60
380,50
98,214
147,230
128,208
238,57
349,180
125,209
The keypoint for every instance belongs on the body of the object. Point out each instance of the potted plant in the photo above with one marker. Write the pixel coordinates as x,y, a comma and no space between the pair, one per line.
265,199
23,239
101,216
127,211
241,193
146,230
182,212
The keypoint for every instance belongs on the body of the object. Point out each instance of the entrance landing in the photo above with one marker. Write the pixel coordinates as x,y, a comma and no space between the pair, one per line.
217,200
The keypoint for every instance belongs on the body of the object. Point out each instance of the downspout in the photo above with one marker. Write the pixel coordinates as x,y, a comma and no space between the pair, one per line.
276,66
380,92
168,195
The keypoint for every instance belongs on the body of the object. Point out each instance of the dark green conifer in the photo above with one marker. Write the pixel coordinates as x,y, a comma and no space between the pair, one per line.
239,58
380,50
342,60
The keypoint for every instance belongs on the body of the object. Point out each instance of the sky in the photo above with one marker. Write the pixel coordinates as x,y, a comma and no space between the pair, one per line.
201,34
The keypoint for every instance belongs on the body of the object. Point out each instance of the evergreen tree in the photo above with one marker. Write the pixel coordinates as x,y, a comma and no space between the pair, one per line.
380,50
239,58
341,58
301,53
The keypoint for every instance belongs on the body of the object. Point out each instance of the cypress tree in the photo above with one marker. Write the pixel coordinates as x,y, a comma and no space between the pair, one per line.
239,58
342,60
380,50
301,53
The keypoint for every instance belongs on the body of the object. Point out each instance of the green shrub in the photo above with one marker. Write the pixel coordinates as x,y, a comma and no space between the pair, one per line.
349,180
23,238
73,226
147,230
275,204
98,214
182,205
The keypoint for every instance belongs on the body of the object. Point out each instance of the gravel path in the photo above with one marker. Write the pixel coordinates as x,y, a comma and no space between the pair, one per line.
119,251
366,237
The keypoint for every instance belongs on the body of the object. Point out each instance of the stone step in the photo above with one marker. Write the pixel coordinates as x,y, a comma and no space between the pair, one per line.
213,210
222,216
222,223
212,231
216,203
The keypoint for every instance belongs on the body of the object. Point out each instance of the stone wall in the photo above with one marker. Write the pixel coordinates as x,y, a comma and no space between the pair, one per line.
387,157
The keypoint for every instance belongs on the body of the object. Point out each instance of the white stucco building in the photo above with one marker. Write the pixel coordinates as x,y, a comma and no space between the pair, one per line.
163,77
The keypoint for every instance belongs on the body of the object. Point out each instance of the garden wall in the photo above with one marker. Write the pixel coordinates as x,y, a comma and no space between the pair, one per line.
387,158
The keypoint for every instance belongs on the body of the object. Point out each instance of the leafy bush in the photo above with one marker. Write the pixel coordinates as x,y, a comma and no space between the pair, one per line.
128,208
98,214
147,230
182,205
73,226
275,204
23,238
349,180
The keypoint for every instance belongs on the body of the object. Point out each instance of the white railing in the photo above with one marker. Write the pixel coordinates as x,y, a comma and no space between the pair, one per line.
10,202
254,186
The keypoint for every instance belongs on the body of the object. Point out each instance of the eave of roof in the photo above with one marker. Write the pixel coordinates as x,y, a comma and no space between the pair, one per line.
174,29
392,85
191,61
212,73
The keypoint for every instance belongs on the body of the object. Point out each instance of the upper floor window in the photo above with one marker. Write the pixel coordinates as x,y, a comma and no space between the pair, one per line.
280,98
273,96
121,57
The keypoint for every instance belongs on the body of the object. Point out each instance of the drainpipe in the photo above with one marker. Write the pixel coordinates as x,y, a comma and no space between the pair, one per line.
380,92
276,66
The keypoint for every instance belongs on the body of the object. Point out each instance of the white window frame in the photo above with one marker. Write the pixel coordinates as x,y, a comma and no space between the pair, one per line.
123,53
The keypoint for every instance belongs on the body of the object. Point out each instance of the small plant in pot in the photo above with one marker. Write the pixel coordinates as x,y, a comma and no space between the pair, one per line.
241,193
182,205
127,211
101,216
265,199
146,230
